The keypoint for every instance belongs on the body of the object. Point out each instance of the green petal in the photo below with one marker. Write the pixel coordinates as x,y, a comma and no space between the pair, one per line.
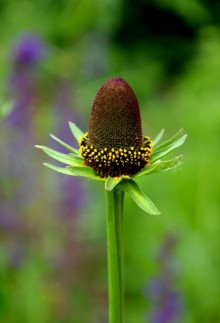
77,133
158,153
161,166
85,172
158,137
111,182
131,187
71,149
170,141
63,170
67,159
76,171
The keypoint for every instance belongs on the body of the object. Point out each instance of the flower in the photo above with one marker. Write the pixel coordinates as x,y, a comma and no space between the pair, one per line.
70,199
114,145
114,150
23,83
167,303
29,50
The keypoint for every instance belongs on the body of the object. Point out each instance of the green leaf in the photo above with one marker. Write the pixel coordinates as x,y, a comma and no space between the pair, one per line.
168,148
161,166
77,133
68,147
131,187
158,137
111,182
67,159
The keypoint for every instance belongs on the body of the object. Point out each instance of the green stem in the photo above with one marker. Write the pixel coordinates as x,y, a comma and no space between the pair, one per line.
114,203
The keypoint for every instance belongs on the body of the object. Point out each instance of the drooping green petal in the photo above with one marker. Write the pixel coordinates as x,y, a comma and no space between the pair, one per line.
67,159
76,171
63,170
68,147
132,188
111,182
77,133
85,172
158,137
159,166
159,153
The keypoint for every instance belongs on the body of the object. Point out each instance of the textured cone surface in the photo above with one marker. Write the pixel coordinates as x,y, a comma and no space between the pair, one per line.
114,145
115,119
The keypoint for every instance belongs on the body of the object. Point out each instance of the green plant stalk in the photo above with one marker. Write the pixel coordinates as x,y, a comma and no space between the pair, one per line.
120,241
114,210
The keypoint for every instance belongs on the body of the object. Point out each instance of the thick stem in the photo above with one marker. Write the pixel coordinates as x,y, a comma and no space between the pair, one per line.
114,203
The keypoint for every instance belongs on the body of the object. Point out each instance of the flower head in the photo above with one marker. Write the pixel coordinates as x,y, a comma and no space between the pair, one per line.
114,145
114,149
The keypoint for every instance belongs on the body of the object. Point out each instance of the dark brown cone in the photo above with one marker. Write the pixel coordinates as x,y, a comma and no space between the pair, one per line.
115,119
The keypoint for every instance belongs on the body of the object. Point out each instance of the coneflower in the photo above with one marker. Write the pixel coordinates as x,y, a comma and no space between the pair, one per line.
115,152
114,145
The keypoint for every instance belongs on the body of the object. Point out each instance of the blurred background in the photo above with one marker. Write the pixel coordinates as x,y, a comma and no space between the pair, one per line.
54,57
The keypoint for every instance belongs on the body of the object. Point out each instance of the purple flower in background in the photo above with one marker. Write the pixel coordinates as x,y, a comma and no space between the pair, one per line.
29,50
71,191
167,302
166,299
23,86
69,200
19,189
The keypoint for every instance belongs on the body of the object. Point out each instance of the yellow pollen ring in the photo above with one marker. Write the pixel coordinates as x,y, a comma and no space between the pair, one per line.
111,162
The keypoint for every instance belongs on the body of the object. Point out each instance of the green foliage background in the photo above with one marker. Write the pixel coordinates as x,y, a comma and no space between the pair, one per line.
54,269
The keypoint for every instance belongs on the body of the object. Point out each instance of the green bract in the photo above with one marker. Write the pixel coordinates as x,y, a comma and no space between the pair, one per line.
75,166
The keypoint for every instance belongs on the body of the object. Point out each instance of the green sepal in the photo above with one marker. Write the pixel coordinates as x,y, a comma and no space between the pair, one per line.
111,182
76,171
131,187
162,165
77,133
67,159
167,147
158,137
68,147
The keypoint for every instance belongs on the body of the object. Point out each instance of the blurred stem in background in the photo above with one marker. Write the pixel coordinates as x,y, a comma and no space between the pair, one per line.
114,210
